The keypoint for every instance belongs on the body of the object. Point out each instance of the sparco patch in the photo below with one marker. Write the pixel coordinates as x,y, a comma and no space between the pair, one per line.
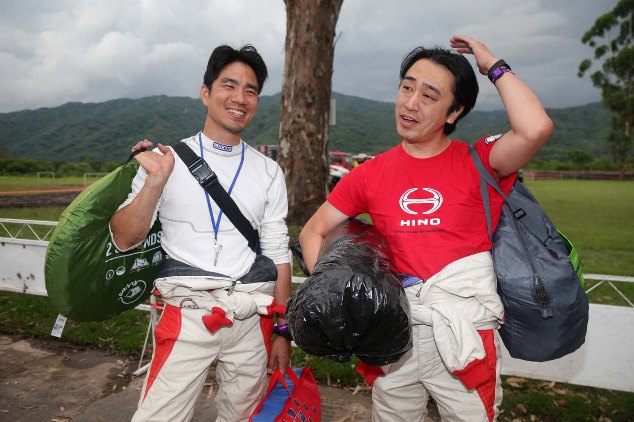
222,147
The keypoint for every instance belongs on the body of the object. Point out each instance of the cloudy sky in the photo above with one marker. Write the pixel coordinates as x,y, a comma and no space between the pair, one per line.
56,51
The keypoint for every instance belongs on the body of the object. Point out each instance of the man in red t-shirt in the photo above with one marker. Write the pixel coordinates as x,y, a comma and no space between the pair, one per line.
424,198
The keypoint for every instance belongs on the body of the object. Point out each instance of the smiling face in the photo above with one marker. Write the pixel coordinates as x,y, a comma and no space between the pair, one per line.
424,97
231,103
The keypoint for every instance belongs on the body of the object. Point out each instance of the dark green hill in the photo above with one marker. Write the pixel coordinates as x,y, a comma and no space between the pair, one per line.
106,131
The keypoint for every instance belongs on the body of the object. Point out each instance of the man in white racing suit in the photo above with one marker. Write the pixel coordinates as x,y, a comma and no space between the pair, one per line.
211,311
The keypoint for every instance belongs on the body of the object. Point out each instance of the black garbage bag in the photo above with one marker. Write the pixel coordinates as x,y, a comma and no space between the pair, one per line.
352,304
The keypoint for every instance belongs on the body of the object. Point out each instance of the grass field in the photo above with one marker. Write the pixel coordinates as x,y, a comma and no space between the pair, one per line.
13,183
598,216
595,215
39,213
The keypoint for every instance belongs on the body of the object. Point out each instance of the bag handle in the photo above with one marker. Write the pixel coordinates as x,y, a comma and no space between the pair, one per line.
209,182
277,376
530,219
292,375
134,154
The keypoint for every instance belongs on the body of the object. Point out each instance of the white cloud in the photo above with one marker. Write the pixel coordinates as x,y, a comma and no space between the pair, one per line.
57,51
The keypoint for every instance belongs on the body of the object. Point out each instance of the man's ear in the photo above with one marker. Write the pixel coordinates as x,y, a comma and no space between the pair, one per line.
204,94
453,116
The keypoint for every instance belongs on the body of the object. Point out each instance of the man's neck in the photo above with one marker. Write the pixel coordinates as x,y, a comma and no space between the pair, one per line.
223,137
426,149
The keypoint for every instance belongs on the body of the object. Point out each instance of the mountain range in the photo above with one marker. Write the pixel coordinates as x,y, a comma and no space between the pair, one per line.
106,131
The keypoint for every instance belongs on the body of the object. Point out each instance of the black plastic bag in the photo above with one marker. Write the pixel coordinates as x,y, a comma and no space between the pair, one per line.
352,304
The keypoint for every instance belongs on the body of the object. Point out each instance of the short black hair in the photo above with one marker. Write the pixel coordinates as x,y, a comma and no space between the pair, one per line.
224,55
465,88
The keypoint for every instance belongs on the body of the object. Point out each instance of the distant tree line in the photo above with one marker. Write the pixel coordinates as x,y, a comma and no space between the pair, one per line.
46,139
30,166
574,159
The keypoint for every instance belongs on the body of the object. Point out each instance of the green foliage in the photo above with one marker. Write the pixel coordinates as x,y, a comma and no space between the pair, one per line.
330,372
579,158
104,132
28,166
33,316
612,37
363,126
529,400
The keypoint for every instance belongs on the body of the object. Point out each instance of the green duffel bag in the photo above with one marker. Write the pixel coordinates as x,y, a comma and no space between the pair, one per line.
87,279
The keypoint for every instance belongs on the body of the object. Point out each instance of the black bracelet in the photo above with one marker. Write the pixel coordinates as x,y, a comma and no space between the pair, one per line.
498,69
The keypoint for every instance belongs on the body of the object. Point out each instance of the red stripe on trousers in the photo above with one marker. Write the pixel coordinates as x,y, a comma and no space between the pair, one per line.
486,390
165,335
266,325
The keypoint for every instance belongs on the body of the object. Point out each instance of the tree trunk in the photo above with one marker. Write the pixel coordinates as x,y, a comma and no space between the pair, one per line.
620,142
305,104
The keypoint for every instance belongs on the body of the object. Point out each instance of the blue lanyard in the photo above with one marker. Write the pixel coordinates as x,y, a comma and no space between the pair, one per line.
216,224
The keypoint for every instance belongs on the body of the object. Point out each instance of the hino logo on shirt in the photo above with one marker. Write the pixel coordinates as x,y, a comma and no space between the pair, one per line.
406,203
222,147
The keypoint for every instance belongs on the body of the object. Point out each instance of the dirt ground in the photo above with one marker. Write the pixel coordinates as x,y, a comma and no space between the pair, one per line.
51,380
37,200
43,380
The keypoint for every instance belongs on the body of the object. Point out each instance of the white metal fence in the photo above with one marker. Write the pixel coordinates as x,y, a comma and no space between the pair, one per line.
606,360
92,177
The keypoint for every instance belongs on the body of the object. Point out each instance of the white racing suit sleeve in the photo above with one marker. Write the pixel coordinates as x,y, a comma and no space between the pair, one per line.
456,302
458,342
273,229
137,183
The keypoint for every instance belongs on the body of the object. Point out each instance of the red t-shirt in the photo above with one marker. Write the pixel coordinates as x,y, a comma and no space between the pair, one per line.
429,210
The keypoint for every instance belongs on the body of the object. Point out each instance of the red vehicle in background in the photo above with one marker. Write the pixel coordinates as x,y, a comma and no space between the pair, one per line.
360,159
342,159
340,162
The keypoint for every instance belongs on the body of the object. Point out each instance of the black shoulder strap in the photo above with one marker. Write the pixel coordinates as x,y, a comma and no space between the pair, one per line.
209,181
527,210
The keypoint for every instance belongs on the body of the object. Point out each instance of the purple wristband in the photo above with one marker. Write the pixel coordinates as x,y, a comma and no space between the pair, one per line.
497,70
282,331
497,73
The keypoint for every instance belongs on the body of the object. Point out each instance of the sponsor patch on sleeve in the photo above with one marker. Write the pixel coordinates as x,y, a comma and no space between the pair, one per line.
492,138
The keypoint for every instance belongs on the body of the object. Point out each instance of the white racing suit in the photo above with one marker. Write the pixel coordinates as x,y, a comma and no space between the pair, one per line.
207,319
202,321
455,356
